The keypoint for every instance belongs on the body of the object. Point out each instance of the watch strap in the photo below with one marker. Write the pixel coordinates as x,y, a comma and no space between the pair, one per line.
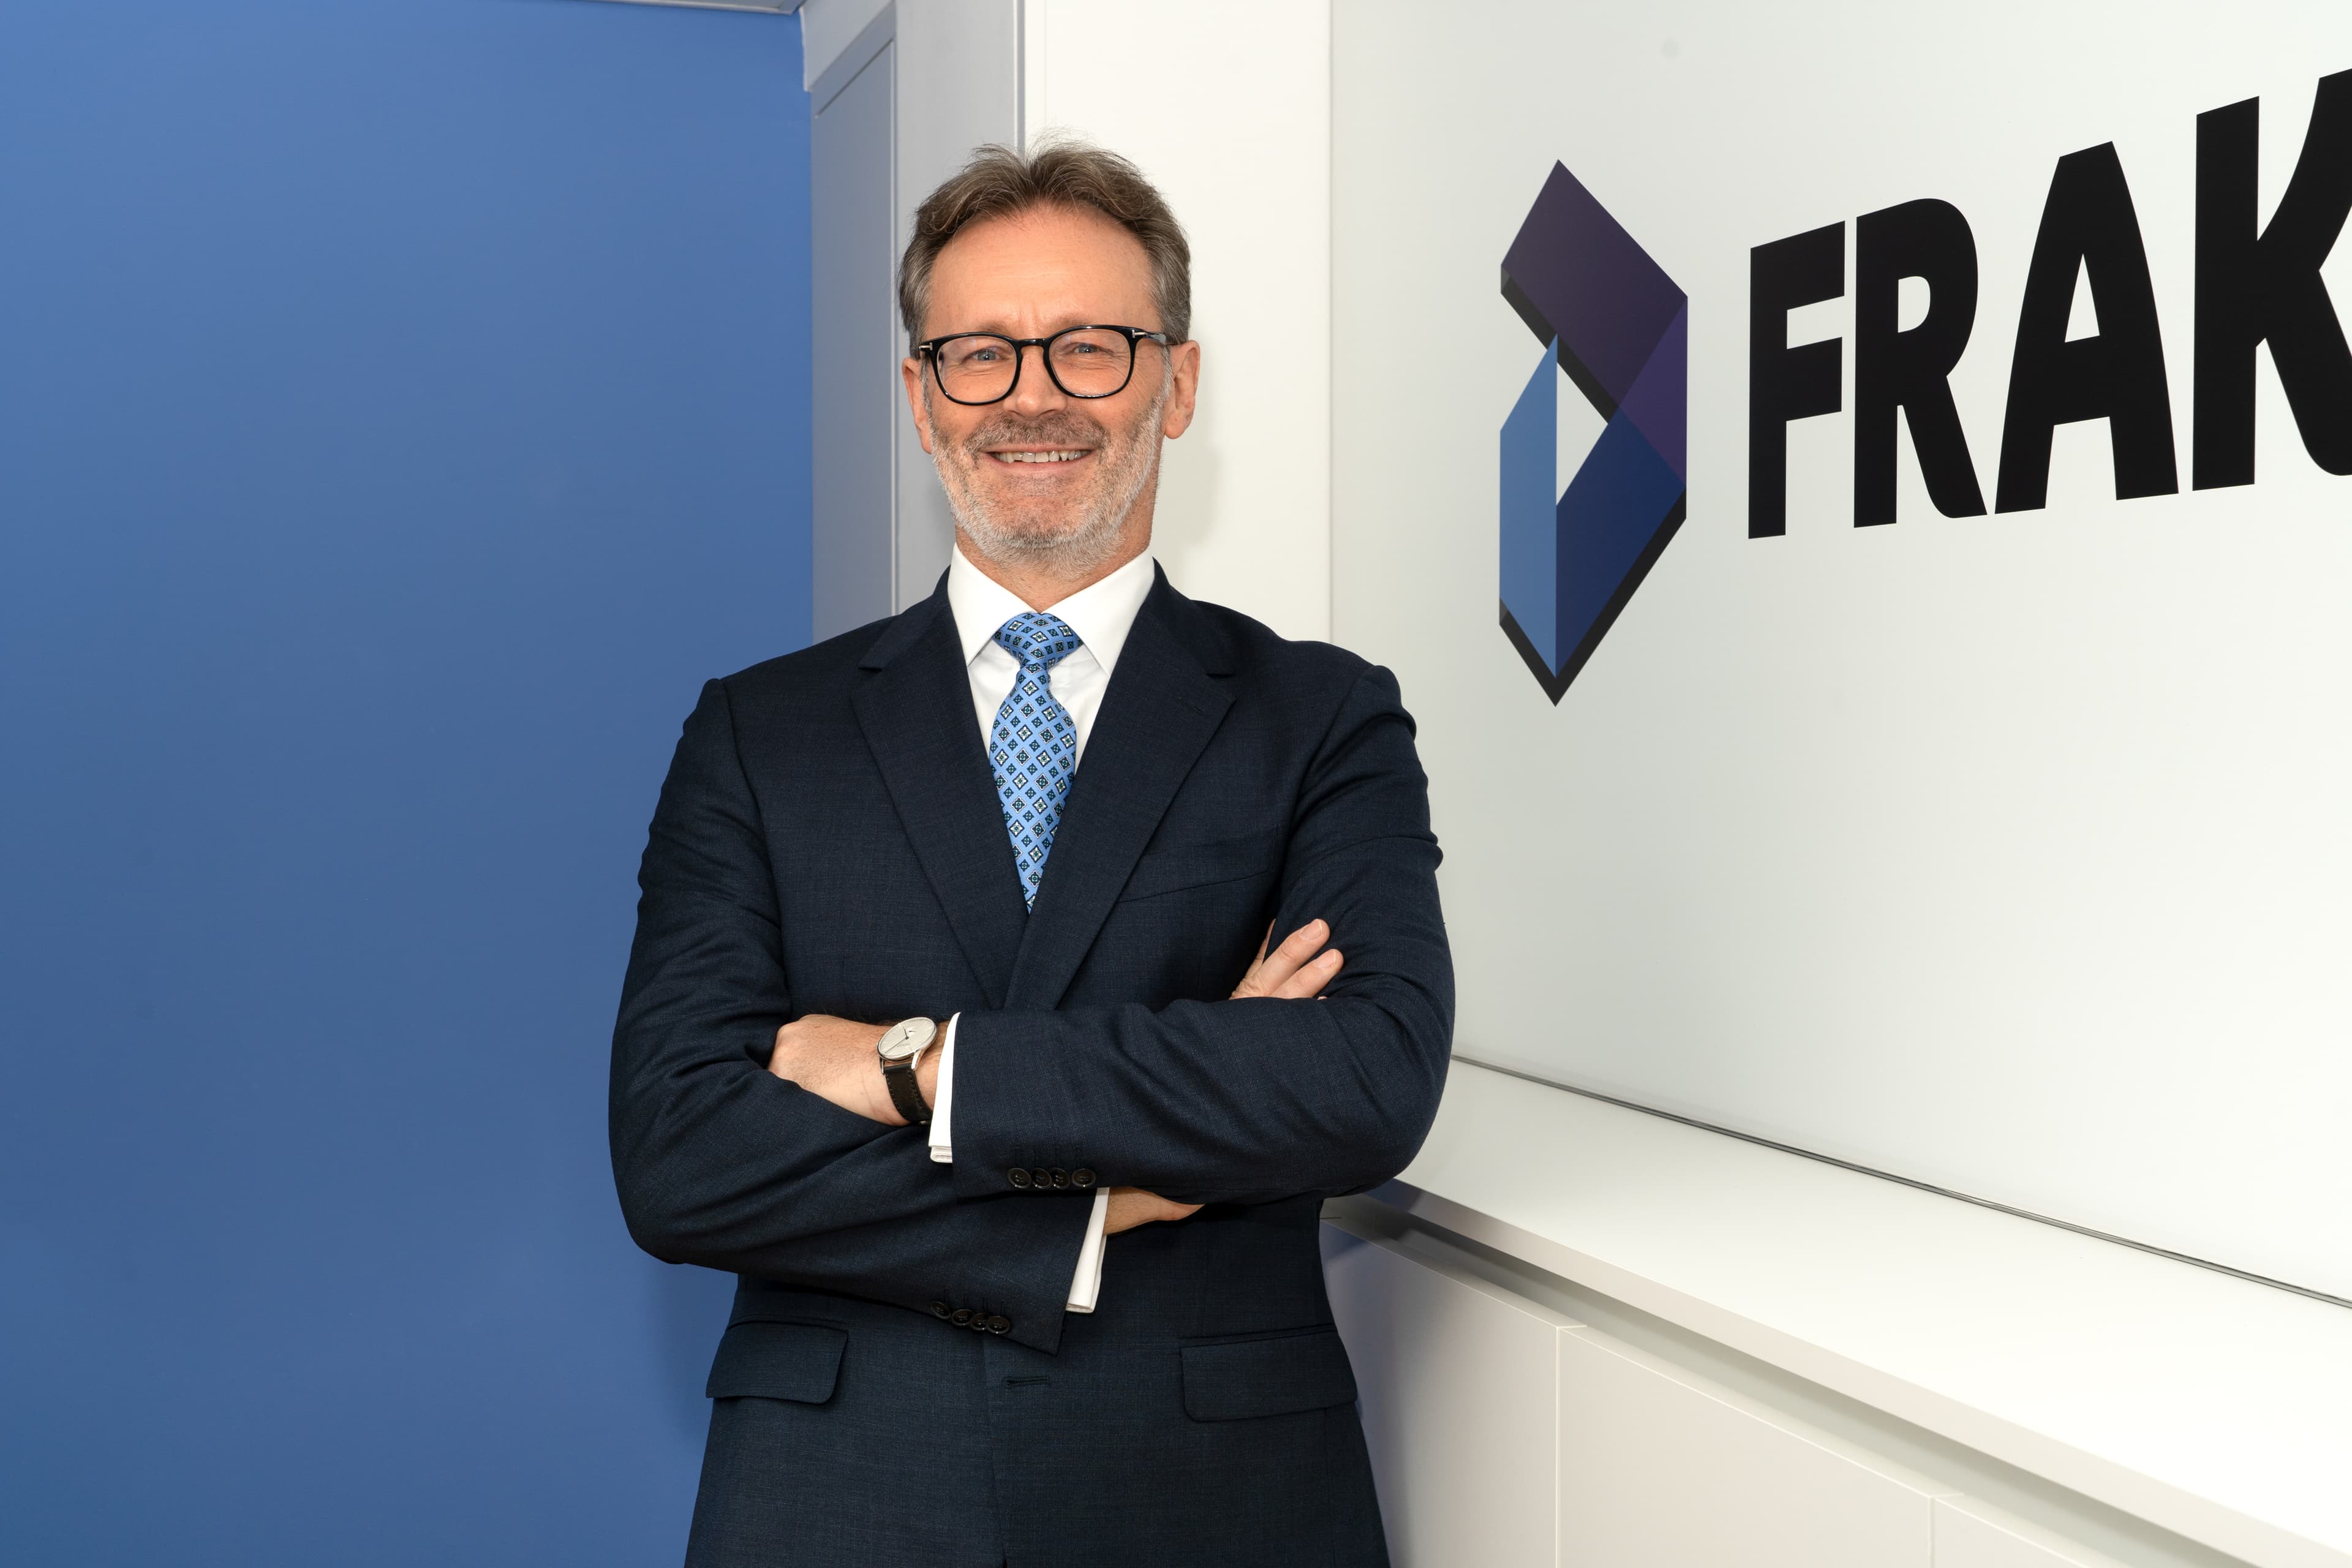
905,1093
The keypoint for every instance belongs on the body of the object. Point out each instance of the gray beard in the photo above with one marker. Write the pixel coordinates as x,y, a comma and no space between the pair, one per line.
1131,463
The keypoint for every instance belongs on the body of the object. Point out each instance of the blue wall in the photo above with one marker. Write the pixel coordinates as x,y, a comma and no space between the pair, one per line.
403,407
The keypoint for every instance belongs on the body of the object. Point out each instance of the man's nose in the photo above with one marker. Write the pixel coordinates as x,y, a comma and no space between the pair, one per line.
1034,391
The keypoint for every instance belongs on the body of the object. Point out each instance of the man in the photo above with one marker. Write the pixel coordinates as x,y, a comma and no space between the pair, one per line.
1031,1276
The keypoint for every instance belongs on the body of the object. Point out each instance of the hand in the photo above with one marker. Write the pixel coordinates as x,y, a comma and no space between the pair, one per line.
1132,1207
840,1060
1295,970
1292,971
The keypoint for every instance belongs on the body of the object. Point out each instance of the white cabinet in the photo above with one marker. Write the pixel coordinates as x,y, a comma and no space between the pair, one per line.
1660,1470
1970,1535
1503,1434
1459,1389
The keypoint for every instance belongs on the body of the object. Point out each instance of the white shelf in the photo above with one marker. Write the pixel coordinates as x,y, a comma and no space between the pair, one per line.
2210,1405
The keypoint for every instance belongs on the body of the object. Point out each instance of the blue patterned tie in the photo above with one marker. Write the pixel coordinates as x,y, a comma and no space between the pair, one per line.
1034,747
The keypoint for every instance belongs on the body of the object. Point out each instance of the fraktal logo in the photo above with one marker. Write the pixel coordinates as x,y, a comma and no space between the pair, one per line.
1615,326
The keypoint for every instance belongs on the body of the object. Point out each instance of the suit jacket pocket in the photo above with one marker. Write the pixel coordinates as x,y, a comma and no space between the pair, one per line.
1173,868
1234,1380
799,1362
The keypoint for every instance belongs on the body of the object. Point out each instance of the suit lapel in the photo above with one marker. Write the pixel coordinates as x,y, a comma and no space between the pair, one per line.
916,711
1156,716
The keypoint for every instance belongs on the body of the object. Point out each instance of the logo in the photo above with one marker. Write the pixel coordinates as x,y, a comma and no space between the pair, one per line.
1615,327
2256,283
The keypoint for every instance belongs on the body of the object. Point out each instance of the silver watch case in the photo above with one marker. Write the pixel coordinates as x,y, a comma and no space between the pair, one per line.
903,1041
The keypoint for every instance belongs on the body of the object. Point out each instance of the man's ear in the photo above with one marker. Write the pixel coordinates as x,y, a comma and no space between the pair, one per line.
1184,371
911,371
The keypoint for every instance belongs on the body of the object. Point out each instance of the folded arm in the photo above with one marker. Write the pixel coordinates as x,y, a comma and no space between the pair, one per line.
1255,1099
720,1162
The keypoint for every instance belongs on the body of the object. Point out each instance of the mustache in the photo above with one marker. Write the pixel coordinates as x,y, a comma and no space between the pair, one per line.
1064,428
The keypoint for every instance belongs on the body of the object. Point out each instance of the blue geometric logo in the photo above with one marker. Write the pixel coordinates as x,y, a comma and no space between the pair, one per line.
1616,327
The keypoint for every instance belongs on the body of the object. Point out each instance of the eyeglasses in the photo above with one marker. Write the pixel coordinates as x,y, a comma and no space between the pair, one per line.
1084,361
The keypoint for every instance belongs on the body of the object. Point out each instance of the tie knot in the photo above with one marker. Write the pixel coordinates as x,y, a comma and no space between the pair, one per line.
1038,640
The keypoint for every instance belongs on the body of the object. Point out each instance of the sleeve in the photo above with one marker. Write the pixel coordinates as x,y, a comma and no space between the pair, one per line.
1086,1282
719,1162
1257,1100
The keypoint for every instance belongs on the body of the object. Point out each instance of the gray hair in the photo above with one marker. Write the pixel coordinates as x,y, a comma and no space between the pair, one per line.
1000,182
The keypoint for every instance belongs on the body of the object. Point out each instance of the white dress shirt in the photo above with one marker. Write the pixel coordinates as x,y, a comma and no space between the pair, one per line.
1101,615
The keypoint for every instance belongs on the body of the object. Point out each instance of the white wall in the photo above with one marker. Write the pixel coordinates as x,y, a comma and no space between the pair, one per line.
1227,105
2006,853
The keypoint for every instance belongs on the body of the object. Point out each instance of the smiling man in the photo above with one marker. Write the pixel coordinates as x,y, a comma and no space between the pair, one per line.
952,1024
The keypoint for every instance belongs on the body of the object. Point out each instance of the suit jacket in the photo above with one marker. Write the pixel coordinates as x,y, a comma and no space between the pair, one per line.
898,1383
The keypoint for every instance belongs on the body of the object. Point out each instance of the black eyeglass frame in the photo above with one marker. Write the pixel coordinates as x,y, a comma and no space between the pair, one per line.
929,349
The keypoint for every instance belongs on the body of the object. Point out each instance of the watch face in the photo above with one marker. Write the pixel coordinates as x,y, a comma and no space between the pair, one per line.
903,1039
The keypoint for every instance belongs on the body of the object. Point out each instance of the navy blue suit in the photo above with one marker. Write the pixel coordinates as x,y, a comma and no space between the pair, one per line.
829,841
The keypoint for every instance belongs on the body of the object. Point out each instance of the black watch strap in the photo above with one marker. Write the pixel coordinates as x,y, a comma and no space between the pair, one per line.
904,1092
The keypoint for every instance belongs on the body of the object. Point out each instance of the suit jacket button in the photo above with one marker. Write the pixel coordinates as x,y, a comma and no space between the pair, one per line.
1041,1178
941,1310
963,1318
1018,1178
1061,1177
1082,1177
1000,1325
980,1322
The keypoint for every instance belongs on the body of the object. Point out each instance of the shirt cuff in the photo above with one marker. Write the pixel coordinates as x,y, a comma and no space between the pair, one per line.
943,1097
1087,1283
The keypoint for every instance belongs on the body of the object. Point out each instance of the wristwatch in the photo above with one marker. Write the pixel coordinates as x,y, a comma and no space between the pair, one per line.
902,1047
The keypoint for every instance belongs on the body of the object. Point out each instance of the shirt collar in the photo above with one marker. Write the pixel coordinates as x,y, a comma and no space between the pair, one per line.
1102,614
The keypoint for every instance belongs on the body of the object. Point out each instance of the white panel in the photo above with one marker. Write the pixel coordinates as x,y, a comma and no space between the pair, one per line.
959,87
1660,1472
1227,105
2007,852
853,349
1457,1383
1969,1534
828,27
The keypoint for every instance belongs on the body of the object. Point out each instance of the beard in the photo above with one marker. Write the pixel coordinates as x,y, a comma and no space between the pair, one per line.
1071,535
